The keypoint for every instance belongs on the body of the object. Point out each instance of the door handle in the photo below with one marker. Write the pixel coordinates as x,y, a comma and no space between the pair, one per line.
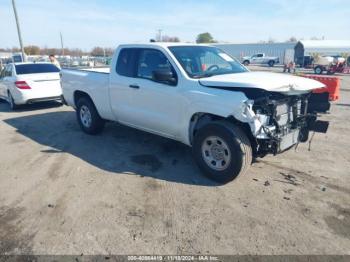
134,86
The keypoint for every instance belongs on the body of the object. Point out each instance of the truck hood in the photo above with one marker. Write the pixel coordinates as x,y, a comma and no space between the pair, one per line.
274,82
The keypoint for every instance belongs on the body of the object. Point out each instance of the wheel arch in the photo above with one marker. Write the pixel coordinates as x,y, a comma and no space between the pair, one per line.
200,119
79,94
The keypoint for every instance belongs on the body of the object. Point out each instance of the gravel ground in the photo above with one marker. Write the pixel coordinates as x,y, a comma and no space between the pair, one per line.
129,192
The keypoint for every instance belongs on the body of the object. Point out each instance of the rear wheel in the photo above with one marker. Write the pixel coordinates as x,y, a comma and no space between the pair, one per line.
88,117
271,63
246,62
318,70
222,151
11,101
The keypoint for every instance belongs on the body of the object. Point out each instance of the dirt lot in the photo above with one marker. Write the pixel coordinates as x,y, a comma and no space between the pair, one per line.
129,192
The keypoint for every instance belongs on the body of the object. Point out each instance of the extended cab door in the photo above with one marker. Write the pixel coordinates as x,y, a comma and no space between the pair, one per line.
150,105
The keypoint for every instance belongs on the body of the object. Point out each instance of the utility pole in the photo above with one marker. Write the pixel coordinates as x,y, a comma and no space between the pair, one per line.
160,35
62,44
18,30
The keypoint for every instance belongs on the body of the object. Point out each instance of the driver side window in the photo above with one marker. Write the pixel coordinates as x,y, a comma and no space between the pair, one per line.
151,60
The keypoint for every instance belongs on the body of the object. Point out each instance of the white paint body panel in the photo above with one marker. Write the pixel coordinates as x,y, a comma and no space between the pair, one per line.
274,82
167,110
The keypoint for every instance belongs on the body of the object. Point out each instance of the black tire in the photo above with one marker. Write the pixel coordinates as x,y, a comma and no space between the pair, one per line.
11,101
246,62
96,125
318,70
238,144
271,63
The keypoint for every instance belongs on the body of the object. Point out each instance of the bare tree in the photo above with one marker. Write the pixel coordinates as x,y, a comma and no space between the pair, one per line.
170,39
271,40
32,50
292,39
97,51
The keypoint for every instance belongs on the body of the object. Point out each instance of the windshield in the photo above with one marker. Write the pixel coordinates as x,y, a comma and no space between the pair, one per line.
206,61
24,69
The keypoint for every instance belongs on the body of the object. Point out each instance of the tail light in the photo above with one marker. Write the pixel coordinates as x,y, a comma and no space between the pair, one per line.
22,85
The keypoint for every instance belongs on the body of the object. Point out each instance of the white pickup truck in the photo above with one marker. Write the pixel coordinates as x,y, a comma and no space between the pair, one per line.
260,59
197,95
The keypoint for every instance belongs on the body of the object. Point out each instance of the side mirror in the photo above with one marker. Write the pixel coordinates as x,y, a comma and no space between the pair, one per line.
164,76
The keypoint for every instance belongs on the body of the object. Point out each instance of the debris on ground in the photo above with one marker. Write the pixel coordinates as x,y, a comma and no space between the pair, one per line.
290,179
50,206
286,198
267,183
288,191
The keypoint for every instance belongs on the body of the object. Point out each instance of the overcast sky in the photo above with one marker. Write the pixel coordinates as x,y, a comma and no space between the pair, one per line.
89,23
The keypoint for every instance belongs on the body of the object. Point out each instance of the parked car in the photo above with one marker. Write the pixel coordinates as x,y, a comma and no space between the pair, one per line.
24,83
260,59
197,95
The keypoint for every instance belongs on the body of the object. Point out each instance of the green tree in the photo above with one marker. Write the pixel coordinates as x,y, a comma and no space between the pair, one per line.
205,38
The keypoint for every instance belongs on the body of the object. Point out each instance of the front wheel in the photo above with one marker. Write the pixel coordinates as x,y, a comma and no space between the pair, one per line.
88,117
222,151
271,63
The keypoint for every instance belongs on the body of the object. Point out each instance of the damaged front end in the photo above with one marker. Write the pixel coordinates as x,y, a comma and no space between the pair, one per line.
281,121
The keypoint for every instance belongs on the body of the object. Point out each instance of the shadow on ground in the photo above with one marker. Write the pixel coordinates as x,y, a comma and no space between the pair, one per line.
118,149
346,105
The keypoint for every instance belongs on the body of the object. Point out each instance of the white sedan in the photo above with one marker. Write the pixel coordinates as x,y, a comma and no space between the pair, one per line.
25,83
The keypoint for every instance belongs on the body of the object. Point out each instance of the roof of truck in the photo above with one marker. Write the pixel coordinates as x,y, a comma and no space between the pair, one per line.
164,44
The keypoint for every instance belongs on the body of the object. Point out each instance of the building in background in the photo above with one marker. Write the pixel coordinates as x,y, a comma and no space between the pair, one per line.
301,52
270,49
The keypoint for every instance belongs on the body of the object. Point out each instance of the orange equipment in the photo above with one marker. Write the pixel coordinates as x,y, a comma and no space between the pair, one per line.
332,85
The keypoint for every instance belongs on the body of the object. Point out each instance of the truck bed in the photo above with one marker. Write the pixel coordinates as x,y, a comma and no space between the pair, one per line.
94,82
